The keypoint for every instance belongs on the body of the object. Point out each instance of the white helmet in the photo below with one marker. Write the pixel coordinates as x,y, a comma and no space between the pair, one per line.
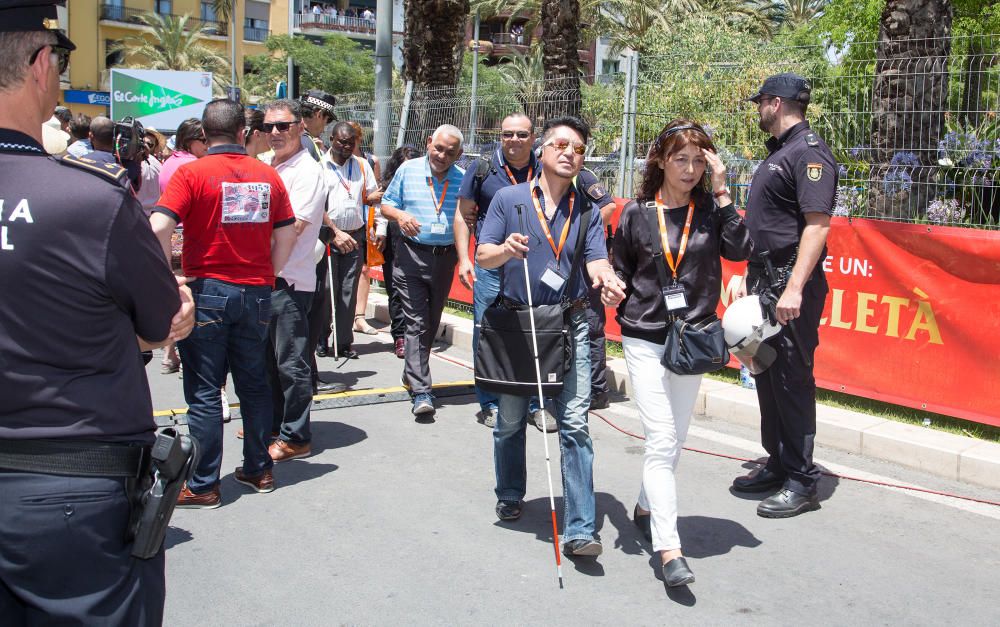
746,327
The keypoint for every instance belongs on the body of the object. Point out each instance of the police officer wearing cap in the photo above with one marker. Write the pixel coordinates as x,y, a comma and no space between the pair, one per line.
788,216
317,114
85,287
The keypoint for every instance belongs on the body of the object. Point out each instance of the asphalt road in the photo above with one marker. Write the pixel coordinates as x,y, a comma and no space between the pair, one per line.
391,522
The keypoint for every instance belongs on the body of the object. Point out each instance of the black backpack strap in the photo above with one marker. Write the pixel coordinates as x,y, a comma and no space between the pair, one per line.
483,165
581,237
654,229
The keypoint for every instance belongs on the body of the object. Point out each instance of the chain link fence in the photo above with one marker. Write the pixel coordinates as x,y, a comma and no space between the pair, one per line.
913,125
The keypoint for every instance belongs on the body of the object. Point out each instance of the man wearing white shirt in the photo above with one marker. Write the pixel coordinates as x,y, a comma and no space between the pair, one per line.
350,181
294,288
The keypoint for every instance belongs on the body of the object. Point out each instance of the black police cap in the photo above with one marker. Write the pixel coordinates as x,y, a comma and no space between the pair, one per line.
22,16
785,85
319,99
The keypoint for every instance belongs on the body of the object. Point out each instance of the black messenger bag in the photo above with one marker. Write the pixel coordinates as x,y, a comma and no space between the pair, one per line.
505,360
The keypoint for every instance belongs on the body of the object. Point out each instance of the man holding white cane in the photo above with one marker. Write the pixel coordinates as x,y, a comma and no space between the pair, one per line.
550,209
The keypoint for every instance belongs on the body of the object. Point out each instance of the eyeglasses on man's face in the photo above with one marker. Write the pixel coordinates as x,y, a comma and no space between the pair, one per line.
281,126
62,54
518,134
579,148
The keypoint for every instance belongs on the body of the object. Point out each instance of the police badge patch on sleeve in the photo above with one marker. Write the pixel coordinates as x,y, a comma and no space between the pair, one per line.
814,171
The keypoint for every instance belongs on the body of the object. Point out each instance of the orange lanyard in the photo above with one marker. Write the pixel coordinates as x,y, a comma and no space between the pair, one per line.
438,204
510,175
545,223
350,173
663,234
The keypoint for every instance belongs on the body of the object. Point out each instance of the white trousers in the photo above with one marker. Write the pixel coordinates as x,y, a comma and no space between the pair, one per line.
665,401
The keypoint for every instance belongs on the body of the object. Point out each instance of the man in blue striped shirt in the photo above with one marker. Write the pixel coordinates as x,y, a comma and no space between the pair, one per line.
422,198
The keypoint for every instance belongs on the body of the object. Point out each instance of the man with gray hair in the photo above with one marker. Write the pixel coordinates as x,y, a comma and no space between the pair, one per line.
423,197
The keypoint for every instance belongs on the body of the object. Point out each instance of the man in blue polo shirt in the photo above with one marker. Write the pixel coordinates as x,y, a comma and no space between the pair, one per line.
547,203
422,198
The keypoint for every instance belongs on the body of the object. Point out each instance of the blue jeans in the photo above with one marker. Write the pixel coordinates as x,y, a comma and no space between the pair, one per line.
484,292
575,446
231,327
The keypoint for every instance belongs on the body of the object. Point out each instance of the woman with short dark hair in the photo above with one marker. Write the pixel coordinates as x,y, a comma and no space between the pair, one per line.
685,188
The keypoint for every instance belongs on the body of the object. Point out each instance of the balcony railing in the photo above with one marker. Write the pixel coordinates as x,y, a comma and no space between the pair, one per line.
129,15
322,21
255,34
510,39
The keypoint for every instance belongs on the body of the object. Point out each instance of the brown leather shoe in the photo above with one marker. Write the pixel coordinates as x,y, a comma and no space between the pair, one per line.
206,500
262,483
282,451
400,347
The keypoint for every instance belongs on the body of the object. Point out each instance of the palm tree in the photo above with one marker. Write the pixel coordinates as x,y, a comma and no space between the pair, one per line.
909,94
560,54
525,74
171,45
432,59
796,13
530,10
626,22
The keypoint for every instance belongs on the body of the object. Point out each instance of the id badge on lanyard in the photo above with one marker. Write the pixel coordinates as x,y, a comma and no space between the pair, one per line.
438,227
554,277
674,295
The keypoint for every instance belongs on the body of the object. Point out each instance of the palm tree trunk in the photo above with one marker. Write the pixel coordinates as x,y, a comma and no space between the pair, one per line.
560,42
432,59
910,95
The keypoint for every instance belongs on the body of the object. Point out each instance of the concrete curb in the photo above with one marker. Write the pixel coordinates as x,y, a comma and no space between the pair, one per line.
942,454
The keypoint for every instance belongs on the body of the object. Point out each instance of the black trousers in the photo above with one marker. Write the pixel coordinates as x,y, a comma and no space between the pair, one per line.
63,555
787,395
289,355
596,319
397,321
346,274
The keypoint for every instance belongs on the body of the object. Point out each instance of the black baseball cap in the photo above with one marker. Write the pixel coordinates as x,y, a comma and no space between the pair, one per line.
319,99
786,85
22,16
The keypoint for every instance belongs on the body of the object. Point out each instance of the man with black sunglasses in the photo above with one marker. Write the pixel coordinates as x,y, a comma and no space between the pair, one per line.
512,163
75,430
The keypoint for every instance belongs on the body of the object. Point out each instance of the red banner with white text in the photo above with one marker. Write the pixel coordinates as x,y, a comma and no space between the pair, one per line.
912,317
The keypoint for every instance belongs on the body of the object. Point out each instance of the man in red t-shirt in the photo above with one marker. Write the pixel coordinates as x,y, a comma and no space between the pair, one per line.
237,236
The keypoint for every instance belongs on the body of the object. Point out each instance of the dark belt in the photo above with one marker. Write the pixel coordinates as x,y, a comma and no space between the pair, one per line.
434,250
74,458
360,229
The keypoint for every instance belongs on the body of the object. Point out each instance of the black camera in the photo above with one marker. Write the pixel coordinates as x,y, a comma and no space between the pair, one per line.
128,140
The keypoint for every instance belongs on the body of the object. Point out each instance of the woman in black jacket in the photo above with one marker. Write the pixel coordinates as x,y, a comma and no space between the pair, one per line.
684,192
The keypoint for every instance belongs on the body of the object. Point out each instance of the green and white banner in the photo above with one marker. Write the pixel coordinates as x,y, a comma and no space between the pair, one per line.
161,99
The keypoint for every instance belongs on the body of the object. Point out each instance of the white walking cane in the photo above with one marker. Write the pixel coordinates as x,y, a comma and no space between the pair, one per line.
333,301
541,401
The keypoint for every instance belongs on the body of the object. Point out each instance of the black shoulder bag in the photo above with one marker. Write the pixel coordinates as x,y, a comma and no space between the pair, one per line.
505,361
692,347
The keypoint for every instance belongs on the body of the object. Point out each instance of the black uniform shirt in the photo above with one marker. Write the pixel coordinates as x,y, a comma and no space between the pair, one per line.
799,176
715,231
81,274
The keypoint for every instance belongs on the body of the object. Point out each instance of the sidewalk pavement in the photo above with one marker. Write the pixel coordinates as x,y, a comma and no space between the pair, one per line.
939,453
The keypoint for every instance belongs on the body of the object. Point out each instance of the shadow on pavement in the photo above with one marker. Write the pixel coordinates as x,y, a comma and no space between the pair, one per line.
827,484
704,536
331,435
175,536
348,378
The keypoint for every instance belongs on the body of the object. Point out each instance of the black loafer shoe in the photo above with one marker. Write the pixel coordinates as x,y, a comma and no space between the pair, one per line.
676,573
600,401
642,521
760,481
347,353
508,510
786,504
582,548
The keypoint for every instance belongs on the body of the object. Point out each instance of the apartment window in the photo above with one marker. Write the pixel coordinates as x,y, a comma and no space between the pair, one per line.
112,58
164,7
208,12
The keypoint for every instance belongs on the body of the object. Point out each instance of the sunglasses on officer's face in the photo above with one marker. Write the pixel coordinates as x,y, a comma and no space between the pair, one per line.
511,134
61,53
281,126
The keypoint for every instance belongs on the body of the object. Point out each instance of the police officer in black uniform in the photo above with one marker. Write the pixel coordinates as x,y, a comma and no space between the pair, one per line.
85,286
788,216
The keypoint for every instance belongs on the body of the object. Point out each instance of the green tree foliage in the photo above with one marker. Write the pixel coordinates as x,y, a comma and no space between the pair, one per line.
338,65
173,44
